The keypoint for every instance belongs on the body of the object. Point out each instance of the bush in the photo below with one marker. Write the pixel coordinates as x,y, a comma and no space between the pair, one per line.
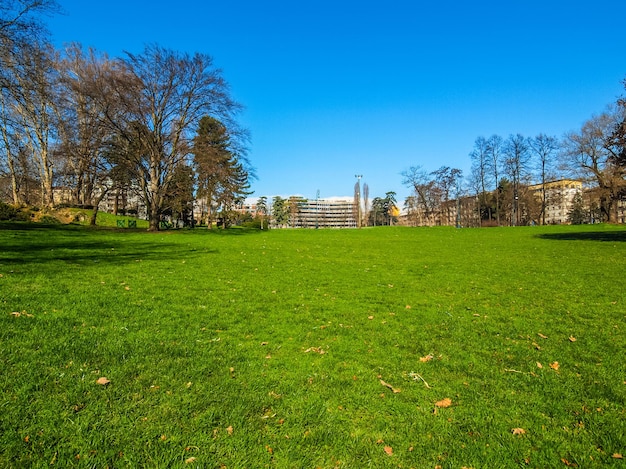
11,213
49,220
7,212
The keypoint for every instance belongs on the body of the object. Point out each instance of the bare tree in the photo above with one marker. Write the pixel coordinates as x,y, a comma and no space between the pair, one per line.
427,194
366,201
494,150
590,154
30,109
517,159
481,175
544,148
83,134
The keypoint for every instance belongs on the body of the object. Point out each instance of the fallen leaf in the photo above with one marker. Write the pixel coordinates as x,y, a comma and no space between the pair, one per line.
264,343
127,288
539,365
370,317
408,306
380,441
518,431
426,358
269,449
388,450
567,463
572,338
387,385
103,381
443,403
542,336
617,456
190,460
230,430
555,366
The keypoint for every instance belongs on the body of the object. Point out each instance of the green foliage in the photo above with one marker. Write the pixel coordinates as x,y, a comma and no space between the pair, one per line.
8,212
49,220
577,214
244,348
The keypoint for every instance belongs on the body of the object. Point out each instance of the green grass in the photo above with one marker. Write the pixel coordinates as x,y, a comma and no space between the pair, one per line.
267,349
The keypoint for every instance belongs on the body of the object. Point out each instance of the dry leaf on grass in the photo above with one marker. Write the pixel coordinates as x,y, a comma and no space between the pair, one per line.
388,450
542,336
555,366
229,430
103,381
190,460
539,365
572,338
443,403
617,456
387,385
518,431
319,350
426,358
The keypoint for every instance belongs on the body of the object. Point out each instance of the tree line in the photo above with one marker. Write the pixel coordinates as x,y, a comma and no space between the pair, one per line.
503,169
159,125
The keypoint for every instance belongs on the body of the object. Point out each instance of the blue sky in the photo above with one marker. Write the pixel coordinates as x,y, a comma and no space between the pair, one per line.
336,88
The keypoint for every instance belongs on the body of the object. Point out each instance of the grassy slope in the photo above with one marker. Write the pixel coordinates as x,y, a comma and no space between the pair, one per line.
267,349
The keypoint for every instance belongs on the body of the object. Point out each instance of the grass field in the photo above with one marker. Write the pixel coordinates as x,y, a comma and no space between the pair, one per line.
383,348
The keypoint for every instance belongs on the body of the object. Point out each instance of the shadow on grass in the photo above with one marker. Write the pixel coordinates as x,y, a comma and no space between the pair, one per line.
606,236
38,243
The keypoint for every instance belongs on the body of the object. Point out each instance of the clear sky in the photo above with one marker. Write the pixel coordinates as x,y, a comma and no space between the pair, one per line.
335,88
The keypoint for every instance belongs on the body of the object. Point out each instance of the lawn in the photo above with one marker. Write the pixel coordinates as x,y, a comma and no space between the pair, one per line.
382,347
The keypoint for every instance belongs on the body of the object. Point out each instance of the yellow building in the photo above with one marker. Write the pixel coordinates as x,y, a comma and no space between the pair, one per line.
559,198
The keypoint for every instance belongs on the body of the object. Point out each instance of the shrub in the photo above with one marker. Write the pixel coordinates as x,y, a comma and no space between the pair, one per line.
8,212
49,220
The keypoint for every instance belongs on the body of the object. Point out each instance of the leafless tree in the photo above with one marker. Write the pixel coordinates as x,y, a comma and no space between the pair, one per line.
590,154
517,160
544,148
481,175
495,154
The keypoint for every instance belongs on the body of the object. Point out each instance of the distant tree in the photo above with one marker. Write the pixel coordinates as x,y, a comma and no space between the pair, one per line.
516,163
294,206
481,175
178,203
426,192
495,155
377,213
390,207
577,214
447,180
366,201
261,208
222,178
280,211
591,155
544,148
356,203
